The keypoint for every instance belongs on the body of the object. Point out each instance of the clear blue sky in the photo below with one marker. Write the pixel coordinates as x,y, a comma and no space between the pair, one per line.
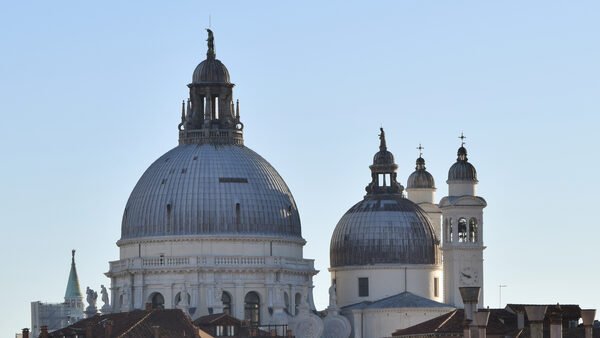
90,96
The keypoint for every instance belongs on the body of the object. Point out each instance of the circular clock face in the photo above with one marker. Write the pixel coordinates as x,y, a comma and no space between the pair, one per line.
468,276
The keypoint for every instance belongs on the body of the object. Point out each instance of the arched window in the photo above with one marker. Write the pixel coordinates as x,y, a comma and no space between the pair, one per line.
157,300
297,300
252,308
473,230
462,229
226,299
449,230
286,301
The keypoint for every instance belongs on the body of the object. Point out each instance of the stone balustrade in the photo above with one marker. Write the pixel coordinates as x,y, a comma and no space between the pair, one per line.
209,261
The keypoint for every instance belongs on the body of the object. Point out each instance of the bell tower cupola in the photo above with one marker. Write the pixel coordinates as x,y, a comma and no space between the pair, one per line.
420,188
210,116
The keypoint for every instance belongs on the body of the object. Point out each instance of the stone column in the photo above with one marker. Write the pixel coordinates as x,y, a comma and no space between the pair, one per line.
138,291
239,302
587,316
536,314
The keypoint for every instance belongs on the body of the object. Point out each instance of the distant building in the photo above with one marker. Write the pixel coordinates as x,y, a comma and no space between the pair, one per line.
57,315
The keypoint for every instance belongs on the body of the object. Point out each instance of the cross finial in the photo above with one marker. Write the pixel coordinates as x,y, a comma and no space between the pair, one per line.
420,148
462,138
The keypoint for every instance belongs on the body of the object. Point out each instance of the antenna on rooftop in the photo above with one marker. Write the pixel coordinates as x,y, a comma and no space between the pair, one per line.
500,294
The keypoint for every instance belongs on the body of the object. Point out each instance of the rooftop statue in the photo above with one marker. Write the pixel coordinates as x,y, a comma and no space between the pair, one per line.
92,297
211,43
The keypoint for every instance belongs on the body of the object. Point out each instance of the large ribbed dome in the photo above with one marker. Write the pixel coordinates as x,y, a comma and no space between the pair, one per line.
385,229
210,190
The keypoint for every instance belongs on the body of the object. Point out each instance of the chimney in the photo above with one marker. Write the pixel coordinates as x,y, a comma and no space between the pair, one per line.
520,319
88,330
156,329
536,314
108,327
556,322
467,328
470,297
44,333
25,333
481,320
587,316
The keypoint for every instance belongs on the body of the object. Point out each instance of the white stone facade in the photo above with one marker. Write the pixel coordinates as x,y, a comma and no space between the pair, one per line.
388,280
205,268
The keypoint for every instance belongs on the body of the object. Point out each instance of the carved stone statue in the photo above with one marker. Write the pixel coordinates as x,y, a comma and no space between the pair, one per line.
382,144
184,301
332,295
104,294
91,298
334,324
106,307
126,301
211,43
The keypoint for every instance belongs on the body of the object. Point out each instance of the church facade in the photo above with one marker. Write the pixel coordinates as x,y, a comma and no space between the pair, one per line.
399,259
211,227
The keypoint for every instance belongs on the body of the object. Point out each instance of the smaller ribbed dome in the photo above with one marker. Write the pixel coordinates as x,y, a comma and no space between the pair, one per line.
384,229
211,71
420,178
383,157
462,170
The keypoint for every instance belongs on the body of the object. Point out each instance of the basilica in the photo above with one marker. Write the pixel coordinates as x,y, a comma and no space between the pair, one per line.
211,227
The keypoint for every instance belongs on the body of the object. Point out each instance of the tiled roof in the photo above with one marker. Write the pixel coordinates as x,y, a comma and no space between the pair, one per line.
401,300
170,323
501,322
568,311
217,318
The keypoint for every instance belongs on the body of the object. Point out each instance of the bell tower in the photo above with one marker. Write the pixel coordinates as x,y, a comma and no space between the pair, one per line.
462,215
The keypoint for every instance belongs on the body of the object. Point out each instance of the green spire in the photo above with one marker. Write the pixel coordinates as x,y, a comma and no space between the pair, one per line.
73,290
